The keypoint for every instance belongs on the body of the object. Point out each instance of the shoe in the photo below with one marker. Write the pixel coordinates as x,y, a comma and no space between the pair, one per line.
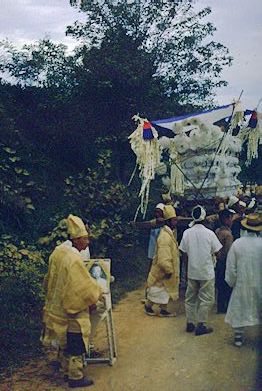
66,378
238,341
201,329
190,327
166,314
143,301
84,382
149,311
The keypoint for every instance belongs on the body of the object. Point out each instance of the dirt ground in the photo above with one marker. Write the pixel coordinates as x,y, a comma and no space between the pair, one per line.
155,354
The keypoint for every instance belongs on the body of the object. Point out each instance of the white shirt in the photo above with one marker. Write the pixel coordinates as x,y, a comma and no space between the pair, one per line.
85,254
200,243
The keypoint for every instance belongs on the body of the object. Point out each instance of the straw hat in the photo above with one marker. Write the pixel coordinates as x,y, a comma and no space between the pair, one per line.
253,222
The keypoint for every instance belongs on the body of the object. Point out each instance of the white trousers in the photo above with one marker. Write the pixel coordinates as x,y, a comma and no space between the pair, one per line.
199,299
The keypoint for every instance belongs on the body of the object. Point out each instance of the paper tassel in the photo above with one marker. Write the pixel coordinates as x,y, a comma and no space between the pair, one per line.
148,154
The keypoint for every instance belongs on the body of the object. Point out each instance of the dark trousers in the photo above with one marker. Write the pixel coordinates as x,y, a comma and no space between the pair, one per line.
75,344
223,289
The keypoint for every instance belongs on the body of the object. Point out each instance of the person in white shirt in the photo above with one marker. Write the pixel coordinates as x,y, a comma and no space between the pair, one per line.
244,275
199,244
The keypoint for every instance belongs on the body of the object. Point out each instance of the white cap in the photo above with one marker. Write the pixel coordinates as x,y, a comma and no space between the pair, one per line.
160,206
242,203
252,203
232,201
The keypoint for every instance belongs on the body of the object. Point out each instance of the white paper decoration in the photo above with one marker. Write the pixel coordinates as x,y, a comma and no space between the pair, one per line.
181,143
166,181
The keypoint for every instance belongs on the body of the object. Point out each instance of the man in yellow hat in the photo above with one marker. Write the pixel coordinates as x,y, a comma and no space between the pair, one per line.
163,278
70,291
244,275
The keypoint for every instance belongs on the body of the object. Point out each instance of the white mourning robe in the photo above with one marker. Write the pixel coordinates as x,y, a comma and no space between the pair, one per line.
244,275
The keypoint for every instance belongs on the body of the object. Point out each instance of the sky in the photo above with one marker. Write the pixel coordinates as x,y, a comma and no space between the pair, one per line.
238,23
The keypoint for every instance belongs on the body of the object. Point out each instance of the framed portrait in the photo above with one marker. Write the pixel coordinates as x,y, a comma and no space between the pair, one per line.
100,270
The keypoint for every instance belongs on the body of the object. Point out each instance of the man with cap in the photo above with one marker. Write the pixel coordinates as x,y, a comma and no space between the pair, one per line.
70,292
154,225
199,244
225,237
154,232
244,275
239,208
97,312
163,278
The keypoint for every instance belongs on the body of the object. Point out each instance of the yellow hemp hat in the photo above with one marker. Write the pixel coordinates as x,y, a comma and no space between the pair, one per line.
76,228
169,212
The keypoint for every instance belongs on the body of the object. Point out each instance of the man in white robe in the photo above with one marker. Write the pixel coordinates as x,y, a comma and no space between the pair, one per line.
244,275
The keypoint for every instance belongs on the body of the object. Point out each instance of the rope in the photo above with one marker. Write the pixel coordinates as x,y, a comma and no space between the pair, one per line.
132,176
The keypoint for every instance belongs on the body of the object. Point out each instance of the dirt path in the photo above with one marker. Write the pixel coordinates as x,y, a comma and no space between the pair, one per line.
155,354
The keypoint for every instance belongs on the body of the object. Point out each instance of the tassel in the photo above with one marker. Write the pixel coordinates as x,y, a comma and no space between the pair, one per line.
147,131
253,120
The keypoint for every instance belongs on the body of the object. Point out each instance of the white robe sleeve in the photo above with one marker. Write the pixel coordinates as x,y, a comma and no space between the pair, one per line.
231,267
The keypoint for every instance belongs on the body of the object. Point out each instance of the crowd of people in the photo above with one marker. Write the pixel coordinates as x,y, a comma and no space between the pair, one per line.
227,260
222,264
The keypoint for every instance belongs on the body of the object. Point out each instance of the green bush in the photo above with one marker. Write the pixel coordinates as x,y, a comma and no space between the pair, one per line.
22,268
109,206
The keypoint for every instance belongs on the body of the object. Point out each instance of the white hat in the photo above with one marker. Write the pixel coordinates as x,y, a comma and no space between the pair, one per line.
242,203
252,203
232,201
160,206
200,218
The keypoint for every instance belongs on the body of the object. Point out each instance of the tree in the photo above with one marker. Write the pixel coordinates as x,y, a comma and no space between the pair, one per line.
42,64
15,182
172,34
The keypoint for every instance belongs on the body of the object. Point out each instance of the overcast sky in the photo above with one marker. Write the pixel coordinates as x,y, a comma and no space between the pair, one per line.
238,22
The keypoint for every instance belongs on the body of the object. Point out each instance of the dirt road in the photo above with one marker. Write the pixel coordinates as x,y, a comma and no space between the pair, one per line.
155,354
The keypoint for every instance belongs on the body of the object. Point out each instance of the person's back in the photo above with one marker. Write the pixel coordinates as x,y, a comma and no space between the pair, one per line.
246,254
70,291
244,275
198,243
225,237
63,295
